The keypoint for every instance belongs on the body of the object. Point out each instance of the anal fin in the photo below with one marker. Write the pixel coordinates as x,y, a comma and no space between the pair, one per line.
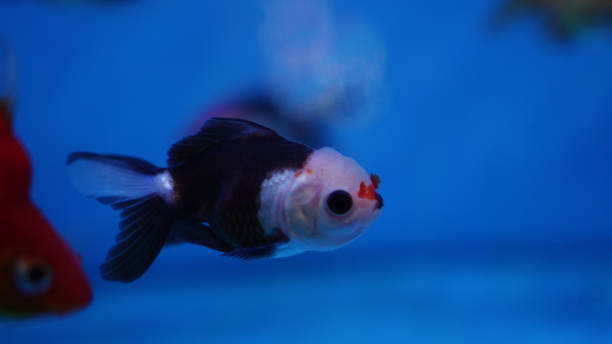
198,234
258,252
249,253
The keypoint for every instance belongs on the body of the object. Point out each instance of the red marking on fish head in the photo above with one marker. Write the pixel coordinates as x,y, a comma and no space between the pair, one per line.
300,172
375,180
367,192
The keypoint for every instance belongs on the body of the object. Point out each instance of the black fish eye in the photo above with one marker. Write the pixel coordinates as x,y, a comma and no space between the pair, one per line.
32,277
339,202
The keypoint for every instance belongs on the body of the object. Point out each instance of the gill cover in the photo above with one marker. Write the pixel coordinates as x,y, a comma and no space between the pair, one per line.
301,209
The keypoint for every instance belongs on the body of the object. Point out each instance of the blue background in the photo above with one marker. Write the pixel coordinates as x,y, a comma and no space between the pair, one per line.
494,151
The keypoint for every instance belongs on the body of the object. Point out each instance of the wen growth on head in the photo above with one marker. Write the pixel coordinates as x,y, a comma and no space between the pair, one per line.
235,187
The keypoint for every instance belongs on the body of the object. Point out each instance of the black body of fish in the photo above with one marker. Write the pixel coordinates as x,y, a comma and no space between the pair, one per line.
217,176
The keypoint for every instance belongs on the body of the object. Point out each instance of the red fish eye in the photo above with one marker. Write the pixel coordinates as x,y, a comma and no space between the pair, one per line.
32,277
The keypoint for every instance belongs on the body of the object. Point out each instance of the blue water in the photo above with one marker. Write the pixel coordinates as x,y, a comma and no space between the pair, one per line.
493,148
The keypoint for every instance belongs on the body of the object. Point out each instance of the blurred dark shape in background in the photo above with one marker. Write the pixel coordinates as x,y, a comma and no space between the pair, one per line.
39,273
563,19
305,125
322,74
269,110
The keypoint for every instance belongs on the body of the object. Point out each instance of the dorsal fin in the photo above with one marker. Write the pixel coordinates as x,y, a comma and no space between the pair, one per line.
213,131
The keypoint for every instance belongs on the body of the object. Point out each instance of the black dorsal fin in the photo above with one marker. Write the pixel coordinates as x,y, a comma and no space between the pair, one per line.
213,131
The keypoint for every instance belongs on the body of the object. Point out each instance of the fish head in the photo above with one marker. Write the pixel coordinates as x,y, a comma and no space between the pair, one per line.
332,201
39,273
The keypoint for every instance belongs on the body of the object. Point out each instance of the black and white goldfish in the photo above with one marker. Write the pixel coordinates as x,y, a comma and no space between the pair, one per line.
236,187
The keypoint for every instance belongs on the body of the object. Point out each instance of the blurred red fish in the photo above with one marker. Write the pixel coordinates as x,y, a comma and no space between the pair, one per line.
39,273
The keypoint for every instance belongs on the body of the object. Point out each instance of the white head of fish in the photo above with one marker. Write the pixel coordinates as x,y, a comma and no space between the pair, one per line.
325,205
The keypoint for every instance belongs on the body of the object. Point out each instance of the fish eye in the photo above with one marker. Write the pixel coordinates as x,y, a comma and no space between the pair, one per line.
32,277
339,202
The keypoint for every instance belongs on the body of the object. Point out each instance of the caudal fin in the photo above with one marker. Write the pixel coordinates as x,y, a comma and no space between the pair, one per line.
144,195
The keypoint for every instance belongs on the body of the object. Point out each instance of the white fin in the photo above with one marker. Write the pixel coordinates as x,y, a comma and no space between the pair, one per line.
105,176
143,193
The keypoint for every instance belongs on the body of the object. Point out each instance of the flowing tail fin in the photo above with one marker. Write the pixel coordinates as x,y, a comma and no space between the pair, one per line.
145,197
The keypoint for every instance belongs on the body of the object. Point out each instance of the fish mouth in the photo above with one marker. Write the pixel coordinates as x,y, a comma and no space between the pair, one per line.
77,304
379,201
75,295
